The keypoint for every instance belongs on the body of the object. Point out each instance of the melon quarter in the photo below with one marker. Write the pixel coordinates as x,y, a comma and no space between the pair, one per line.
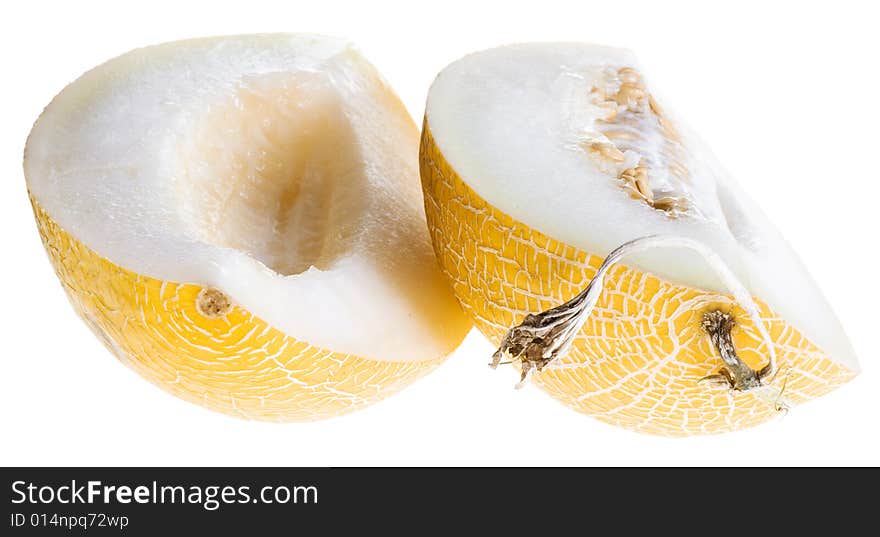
239,220
541,161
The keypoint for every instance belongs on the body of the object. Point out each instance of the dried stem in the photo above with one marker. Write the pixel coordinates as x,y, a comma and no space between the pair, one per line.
736,374
545,337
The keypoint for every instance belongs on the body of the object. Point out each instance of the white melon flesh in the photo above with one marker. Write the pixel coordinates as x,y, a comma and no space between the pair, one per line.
523,125
279,169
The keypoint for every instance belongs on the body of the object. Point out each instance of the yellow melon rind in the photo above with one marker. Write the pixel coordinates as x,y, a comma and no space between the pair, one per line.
638,358
236,363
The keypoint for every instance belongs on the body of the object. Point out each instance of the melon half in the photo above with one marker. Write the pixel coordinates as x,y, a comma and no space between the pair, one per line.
240,221
537,162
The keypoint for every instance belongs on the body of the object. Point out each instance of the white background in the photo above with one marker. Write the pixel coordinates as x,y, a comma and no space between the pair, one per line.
785,93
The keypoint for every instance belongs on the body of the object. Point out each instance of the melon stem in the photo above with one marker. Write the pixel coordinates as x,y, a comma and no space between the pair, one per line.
545,337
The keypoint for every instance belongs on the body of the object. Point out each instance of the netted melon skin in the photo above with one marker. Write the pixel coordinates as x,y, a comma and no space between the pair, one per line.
637,361
236,364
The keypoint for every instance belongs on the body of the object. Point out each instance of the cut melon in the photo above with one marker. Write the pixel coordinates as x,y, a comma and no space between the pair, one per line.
239,219
537,162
